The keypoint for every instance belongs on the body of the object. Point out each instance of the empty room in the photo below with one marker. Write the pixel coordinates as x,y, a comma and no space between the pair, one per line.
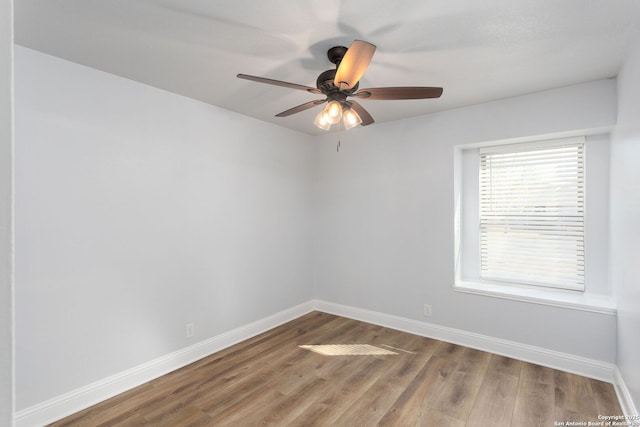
320,213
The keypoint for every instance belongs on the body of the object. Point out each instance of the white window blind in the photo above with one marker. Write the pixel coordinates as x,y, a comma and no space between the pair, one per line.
532,215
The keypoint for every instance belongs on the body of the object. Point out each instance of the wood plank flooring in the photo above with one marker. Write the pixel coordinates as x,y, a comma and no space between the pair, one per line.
270,381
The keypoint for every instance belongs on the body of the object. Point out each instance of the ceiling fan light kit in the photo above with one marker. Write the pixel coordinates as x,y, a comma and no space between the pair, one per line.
342,82
334,112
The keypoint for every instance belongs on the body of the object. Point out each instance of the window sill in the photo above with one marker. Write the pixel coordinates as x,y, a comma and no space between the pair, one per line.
556,298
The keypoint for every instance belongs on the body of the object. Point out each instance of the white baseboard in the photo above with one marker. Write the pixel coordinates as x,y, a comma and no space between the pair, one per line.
79,399
540,356
76,400
624,396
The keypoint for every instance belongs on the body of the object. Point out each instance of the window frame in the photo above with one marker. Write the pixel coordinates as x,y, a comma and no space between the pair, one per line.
596,296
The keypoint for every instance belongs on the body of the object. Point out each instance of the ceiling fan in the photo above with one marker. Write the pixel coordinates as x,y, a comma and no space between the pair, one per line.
341,83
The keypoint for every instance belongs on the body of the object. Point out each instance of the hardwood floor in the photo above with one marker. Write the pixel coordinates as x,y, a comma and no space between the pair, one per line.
269,380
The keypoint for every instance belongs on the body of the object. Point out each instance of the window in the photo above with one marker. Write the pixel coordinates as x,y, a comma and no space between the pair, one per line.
531,214
532,220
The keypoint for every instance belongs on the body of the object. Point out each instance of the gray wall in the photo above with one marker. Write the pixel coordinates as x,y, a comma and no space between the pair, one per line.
625,221
6,207
139,211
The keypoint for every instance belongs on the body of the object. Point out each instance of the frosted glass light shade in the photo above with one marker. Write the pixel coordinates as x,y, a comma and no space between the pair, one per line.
322,120
334,112
350,119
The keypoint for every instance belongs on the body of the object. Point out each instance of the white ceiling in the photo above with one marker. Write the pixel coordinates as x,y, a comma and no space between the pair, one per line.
477,50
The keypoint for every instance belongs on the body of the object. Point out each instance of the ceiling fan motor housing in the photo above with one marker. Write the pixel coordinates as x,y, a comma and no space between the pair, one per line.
325,83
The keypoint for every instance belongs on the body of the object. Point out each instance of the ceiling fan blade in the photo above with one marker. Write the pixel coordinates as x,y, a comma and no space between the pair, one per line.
364,114
353,64
301,107
391,93
280,83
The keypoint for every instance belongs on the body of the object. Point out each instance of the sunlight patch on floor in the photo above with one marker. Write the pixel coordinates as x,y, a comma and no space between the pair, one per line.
348,350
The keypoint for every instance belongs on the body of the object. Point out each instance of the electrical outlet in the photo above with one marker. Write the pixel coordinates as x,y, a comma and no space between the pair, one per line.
427,310
190,329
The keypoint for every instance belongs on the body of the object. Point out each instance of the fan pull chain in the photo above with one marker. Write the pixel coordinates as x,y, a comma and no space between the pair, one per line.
338,146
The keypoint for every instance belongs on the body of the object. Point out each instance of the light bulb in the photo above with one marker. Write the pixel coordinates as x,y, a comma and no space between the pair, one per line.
334,112
350,119
322,120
